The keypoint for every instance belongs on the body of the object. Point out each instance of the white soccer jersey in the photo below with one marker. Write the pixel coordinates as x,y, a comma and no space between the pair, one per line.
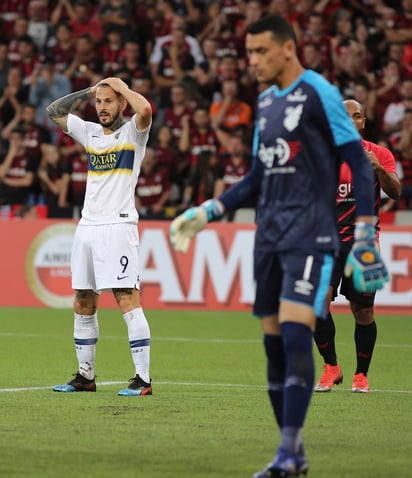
113,168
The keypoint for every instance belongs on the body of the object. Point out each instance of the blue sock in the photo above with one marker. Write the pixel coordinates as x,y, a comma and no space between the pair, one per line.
275,373
299,378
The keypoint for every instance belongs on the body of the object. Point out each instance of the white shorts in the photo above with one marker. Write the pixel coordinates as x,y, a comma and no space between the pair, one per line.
105,257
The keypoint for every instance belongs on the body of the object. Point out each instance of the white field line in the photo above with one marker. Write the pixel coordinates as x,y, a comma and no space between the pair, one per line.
192,339
194,384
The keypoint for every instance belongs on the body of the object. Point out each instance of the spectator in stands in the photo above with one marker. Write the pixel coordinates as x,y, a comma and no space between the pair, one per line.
393,117
165,151
387,89
312,58
141,78
180,107
191,43
17,171
153,188
205,181
236,163
81,16
169,157
49,174
35,134
115,12
10,12
401,142
400,28
86,66
212,20
69,148
228,68
176,61
29,56
113,53
15,93
61,47
366,96
39,27
396,51
73,183
20,28
230,112
254,9
4,65
316,33
198,136
46,85
165,10
286,9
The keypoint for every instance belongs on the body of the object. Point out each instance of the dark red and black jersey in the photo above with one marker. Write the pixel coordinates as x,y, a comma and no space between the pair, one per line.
345,199
77,170
202,141
150,187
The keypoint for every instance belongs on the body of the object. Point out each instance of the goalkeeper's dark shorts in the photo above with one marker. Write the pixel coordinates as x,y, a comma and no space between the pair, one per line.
302,277
344,285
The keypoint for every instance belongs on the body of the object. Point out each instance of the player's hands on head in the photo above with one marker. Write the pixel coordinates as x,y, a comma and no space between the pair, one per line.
364,262
184,227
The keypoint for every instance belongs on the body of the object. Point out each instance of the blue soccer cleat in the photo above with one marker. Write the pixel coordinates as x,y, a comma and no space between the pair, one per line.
137,387
285,464
78,384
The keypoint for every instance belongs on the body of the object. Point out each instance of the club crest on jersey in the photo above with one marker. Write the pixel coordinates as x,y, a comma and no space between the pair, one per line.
292,117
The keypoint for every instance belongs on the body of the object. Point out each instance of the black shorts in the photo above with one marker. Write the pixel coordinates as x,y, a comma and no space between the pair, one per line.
347,288
293,276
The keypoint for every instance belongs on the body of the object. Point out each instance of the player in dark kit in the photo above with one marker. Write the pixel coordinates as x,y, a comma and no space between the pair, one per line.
302,133
361,304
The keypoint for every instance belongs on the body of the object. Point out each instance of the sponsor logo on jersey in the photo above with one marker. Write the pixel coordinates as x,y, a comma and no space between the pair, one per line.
283,152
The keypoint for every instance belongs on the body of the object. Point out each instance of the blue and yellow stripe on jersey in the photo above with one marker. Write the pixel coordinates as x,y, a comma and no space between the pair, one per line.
119,159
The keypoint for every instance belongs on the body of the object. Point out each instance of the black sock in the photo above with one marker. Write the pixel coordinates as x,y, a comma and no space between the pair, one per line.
324,336
365,339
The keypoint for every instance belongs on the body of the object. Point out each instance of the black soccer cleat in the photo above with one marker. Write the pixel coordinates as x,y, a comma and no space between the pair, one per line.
78,384
137,387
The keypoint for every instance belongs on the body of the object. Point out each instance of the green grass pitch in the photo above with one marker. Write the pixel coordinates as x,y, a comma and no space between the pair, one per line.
209,416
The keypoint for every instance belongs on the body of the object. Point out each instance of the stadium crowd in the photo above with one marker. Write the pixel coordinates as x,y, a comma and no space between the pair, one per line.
187,58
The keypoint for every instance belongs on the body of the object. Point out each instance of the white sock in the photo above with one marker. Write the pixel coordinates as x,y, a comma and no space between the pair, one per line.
86,333
139,340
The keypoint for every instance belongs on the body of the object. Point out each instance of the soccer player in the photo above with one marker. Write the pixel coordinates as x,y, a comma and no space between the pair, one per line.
361,304
105,245
302,133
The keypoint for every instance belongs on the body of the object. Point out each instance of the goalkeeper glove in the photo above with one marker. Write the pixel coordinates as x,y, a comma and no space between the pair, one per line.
193,220
364,262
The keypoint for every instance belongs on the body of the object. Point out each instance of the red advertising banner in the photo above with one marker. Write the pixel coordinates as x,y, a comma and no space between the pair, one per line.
215,274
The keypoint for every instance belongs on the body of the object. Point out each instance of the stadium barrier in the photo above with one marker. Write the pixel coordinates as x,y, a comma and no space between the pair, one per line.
216,273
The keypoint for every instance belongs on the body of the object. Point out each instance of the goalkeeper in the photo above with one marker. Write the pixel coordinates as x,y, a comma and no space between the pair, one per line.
302,134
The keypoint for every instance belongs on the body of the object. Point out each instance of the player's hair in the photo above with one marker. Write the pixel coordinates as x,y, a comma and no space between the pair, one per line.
280,28
106,85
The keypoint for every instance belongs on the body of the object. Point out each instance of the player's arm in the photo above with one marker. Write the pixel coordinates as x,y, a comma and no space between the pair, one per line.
363,262
59,110
138,103
388,181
